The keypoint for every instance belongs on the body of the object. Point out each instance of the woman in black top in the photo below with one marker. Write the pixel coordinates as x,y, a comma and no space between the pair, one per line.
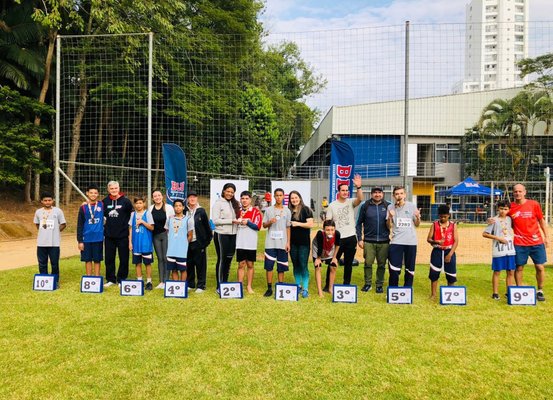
160,212
300,236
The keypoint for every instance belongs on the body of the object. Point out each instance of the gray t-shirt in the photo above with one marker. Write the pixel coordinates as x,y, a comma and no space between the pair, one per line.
403,229
502,228
343,215
49,222
276,234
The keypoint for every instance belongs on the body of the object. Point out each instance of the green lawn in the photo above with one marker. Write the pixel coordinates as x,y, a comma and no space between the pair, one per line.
68,345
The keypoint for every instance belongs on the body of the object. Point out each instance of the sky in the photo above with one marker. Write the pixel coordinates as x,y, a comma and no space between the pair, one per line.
357,46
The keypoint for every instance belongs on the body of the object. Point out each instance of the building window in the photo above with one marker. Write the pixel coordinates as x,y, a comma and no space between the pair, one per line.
519,28
448,153
519,18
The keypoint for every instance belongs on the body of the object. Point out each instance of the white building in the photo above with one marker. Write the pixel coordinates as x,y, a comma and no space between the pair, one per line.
495,40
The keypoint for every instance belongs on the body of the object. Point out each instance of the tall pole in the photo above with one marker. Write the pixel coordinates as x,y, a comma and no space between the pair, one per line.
150,74
547,193
58,107
406,110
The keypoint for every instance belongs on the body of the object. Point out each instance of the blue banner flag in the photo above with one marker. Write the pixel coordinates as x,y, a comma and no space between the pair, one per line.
176,181
342,164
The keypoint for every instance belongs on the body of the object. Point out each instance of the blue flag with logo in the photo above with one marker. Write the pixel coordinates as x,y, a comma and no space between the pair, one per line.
176,181
342,164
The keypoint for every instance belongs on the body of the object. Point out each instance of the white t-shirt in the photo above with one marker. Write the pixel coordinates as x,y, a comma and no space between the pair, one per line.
343,215
49,222
502,228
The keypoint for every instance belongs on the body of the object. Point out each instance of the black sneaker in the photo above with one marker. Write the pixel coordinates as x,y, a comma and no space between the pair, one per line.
495,296
540,296
366,288
149,286
379,289
268,293
325,289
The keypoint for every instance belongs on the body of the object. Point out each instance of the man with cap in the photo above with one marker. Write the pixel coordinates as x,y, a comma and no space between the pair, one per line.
201,237
374,237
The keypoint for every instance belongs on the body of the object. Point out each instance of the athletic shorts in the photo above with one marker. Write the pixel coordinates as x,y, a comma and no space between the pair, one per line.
505,263
176,263
93,251
246,255
536,253
142,258
437,264
280,256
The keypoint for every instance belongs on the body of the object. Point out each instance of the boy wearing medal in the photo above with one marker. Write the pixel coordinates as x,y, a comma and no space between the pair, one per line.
141,225
49,222
249,225
90,231
503,249
179,234
444,238
277,220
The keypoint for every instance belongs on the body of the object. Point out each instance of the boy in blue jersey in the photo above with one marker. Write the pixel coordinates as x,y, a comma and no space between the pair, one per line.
90,231
179,234
141,225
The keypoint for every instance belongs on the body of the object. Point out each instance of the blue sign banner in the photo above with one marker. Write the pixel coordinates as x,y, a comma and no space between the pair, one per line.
176,181
342,163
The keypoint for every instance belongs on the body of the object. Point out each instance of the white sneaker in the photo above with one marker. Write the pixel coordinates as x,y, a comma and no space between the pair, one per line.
161,286
200,290
108,284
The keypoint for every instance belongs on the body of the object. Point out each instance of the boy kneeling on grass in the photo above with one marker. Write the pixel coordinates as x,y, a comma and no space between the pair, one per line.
179,234
141,225
325,246
503,249
444,238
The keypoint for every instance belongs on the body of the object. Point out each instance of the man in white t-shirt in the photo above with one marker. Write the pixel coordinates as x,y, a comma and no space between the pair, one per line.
341,211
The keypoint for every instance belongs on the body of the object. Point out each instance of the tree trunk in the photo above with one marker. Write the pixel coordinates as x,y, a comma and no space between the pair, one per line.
42,99
29,173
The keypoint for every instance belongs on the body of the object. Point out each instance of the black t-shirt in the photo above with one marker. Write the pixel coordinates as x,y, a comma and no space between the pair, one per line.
301,236
117,213
159,217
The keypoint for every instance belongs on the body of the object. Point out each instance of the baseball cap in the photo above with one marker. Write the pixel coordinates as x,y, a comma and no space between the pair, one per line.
192,193
376,189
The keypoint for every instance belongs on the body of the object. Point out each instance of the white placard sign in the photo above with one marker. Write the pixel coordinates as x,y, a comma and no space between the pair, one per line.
92,284
400,295
286,292
216,187
521,296
344,294
178,289
230,290
132,288
303,187
44,282
453,295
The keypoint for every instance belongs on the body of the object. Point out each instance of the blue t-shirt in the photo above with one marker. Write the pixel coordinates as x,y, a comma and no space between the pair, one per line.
177,235
93,226
141,236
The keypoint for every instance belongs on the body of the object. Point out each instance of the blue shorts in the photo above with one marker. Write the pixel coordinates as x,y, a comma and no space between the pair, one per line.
176,264
278,255
536,253
437,263
93,251
143,258
505,263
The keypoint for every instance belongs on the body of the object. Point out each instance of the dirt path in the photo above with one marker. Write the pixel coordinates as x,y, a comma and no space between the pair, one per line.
22,252
473,249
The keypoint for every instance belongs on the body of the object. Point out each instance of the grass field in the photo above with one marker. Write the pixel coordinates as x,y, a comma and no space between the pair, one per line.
68,345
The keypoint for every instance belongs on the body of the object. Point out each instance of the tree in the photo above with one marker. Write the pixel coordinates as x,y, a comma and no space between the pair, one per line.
505,137
542,66
20,138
